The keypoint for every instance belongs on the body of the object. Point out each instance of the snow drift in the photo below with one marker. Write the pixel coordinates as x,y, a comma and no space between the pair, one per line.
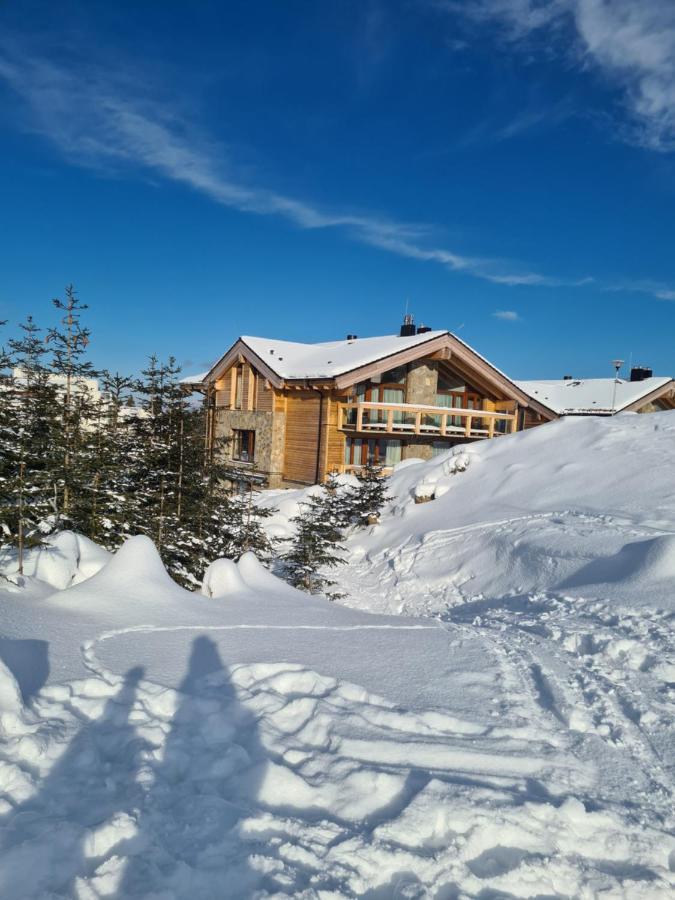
254,741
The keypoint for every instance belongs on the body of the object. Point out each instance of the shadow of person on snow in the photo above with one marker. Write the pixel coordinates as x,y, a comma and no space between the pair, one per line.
204,783
46,842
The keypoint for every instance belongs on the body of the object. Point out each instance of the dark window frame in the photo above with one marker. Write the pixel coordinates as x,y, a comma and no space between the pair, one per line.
243,444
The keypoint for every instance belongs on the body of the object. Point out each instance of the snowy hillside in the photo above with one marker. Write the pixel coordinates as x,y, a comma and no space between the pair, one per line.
489,713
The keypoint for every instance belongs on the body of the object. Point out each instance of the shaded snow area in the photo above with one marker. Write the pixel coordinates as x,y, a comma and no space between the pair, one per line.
487,714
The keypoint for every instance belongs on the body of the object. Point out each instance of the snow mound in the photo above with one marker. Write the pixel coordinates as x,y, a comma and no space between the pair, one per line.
62,560
135,574
222,578
632,566
584,506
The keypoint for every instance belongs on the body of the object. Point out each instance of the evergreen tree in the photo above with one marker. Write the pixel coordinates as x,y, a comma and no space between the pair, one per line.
339,501
36,427
115,461
370,496
316,544
74,448
8,442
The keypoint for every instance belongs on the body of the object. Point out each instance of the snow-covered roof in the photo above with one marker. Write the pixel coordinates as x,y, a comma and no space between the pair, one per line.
194,379
589,395
325,360
290,359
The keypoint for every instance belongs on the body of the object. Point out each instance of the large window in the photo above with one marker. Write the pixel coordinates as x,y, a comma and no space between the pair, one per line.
451,393
381,392
379,452
243,445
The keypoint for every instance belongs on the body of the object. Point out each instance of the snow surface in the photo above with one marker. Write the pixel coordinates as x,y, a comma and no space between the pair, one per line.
590,395
492,715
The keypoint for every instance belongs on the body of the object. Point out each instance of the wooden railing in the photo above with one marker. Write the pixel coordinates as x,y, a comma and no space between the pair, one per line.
410,418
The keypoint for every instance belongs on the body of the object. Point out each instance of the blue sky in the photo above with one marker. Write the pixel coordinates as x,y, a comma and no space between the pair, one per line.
303,169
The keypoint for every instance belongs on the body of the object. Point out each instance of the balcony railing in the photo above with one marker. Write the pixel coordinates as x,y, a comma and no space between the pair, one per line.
409,418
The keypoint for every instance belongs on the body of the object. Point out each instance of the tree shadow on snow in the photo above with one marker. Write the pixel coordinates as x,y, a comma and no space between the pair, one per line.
89,784
203,785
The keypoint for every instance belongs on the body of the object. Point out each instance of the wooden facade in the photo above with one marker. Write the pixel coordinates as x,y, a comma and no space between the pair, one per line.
410,403
414,399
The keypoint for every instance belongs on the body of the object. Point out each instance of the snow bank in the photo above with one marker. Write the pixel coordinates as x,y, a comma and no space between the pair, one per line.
581,507
222,578
62,560
134,574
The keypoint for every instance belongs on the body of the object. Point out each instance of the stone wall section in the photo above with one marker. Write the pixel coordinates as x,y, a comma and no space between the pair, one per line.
421,382
269,439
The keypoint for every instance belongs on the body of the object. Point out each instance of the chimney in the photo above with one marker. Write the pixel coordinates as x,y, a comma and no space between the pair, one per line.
568,378
408,327
352,337
639,373
422,329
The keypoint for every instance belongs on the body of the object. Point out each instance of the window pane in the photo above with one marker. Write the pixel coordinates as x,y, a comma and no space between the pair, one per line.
390,453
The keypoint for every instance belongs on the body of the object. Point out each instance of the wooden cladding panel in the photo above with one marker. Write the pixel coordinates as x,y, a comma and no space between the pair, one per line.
264,396
223,389
531,419
334,439
302,429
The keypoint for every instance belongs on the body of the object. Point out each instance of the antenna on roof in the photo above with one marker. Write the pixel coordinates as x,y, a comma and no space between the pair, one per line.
617,363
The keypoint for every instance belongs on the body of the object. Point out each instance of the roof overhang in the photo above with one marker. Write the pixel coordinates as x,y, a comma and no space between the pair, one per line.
445,346
666,390
241,351
448,347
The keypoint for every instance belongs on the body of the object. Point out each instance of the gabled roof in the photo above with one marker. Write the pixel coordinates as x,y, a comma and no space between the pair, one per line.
343,363
327,360
592,396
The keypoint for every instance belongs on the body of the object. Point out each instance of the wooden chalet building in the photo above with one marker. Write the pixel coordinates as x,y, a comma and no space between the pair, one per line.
292,413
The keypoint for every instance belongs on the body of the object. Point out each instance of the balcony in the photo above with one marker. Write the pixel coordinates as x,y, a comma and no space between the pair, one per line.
400,419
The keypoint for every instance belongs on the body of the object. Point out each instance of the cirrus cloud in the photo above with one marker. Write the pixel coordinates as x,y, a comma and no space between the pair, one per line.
630,42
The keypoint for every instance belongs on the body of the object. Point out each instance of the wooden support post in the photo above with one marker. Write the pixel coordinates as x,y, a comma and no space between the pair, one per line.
233,386
514,424
251,388
390,420
491,427
418,422
444,423
469,421
359,416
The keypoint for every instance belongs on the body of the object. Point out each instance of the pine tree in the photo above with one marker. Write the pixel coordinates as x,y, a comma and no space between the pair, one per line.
339,501
370,496
73,470
115,462
8,443
316,544
37,430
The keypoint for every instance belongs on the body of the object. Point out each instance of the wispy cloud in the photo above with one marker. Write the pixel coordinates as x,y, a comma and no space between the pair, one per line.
506,315
100,121
631,42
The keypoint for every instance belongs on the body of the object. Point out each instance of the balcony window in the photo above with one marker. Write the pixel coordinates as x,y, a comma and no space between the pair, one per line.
243,445
379,452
